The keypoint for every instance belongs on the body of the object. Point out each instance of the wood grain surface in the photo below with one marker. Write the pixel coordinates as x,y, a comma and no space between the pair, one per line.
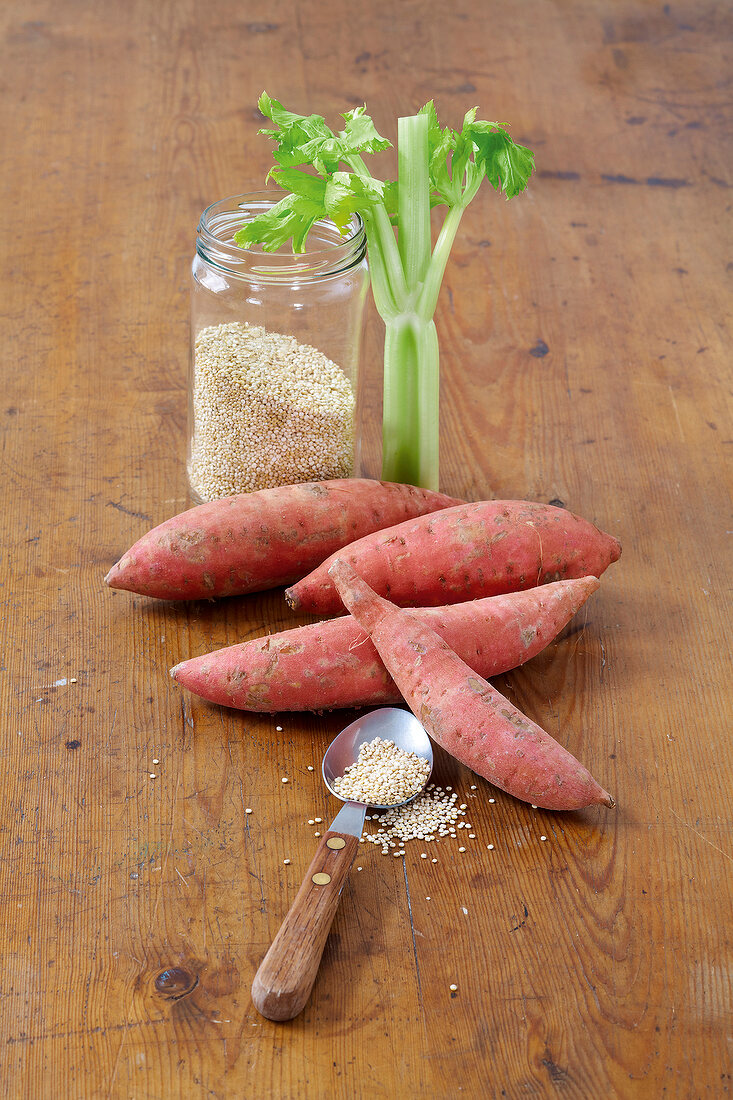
586,349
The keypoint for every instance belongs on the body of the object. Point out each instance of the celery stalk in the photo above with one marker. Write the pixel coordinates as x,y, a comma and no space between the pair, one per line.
410,402
435,167
410,422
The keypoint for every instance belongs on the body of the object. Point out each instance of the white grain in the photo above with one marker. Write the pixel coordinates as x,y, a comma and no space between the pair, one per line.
267,411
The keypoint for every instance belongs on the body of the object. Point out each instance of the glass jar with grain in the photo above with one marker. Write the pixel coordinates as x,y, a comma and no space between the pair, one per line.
274,379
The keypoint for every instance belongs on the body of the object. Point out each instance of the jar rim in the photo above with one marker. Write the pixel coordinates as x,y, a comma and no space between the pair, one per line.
220,220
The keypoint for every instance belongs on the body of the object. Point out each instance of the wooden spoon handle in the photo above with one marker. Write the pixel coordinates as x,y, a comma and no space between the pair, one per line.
283,983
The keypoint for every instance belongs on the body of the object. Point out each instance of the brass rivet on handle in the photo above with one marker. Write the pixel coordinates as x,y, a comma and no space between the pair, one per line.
321,878
335,842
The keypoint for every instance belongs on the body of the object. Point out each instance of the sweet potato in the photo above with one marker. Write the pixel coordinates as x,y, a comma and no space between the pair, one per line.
462,712
334,663
464,553
253,541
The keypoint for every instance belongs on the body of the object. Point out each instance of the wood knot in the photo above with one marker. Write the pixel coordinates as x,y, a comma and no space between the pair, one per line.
175,982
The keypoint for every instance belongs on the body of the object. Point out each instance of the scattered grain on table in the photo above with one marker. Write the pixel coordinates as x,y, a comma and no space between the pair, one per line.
431,816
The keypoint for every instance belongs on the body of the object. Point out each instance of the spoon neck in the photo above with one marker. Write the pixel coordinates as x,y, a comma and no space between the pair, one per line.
349,819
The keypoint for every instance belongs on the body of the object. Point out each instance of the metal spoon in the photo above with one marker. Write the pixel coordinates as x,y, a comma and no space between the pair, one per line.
283,983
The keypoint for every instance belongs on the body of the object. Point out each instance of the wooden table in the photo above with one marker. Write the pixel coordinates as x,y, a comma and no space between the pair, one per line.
586,358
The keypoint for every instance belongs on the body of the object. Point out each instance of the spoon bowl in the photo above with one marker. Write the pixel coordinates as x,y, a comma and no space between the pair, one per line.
389,723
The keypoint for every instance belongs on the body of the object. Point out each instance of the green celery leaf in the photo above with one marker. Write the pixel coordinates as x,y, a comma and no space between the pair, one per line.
461,164
458,159
295,134
360,134
340,201
469,118
324,153
389,197
445,185
348,193
291,218
305,126
306,139
300,183
440,142
507,166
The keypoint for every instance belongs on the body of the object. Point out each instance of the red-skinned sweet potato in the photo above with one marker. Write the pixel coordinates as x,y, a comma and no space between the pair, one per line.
462,712
465,553
334,663
254,541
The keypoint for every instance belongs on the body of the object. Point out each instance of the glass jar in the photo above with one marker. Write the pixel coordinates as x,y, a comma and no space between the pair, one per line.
274,380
